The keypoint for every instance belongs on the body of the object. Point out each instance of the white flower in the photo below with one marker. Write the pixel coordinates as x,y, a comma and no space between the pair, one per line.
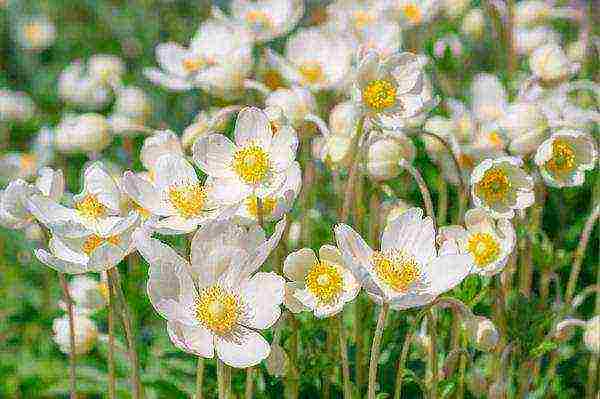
550,64
314,59
160,143
528,40
15,106
565,156
217,301
268,19
455,8
408,271
591,336
482,332
501,186
322,285
385,87
86,333
256,164
218,59
532,12
296,103
106,69
415,12
77,87
572,104
82,133
386,149
13,207
489,99
88,294
91,251
36,33
490,243
526,126
176,195
131,110
97,207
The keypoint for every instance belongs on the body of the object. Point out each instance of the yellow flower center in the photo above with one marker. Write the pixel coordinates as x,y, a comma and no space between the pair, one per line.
27,162
272,79
412,13
397,269
268,205
252,164
217,309
91,208
33,32
324,281
484,248
93,242
379,94
258,19
362,19
466,161
192,64
311,72
188,199
563,157
143,212
496,139
494,186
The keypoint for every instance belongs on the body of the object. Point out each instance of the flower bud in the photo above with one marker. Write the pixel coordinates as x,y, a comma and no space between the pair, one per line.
87,293
86,333
36,33
193,132
294,234
296,103
474,23
133,103
15,106
82,133
482,333
591,336
106,68
343,119
385,153
550,63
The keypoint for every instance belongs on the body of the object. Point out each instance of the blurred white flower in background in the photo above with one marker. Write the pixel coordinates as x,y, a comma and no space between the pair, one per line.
36,33
86,333
85,133
385,151
16,106
267,19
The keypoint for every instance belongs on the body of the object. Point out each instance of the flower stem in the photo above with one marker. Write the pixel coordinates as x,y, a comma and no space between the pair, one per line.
221,379
355,156
72,357
115,281
422,187
375,349
432,324
344,356
442,200
249,383
199,377
112,386
291,386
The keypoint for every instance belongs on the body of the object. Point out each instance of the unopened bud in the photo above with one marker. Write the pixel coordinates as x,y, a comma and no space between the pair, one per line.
483,333
277,361
591,336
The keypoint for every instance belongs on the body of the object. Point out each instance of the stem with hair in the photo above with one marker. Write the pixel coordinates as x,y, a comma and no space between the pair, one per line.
221,379
432,325
249,389
112,386
442,200
72,356
355,155
376,349
422,187
199,377
115,281
344,356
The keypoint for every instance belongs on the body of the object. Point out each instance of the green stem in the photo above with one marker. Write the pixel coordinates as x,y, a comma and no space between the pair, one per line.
72,356
248,392
376,348
344,356
112,385
422,187
432,324
355,155
199,377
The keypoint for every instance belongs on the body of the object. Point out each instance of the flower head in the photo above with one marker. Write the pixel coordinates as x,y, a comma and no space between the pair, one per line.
217,300
501,186
565,156
408,270
267,19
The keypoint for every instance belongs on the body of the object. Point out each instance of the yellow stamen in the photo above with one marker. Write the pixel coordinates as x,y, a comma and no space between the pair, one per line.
362,19
188,199
272,79
32,32
311,72
91,208
379,95
325,282
412,13
217,309
397,269
252,164
496,139
494,186
268,205
258,19
94,241
192,64
466,161
484,248
563,157
27,162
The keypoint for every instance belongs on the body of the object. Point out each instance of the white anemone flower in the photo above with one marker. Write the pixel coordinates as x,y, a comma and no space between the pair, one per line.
565,156
296,104
160,143
489,98
268,19
414,12
501,186
384,87
217,300
36,33
277,204
322,285
176,196
315,59
91,251
489,242
86,333
14,213
97,207
76,87
16,106
218,59
408,271
26,165
256,164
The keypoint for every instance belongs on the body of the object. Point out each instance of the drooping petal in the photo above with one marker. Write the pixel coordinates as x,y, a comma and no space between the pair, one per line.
249,351
192,339
60,265
298,263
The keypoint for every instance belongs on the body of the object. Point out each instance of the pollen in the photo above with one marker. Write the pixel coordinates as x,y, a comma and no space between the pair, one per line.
268,205
311,72
379,94
494,186
252,164
324,281
563,157
412,13
217,309
258,19
397,269
484,248
27,161
33,32
362,19
94,241
188,199
91,208
192,65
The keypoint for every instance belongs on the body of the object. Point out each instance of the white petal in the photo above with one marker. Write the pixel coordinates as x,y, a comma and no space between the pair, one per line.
143,193
446,272
253,127
252,350
170,57
264,294
172,169
98,182
298,263
214,154
192,339
57,264
171,82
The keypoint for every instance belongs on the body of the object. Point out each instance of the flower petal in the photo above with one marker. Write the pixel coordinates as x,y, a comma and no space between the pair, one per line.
192,339
253,127
214,154
264,294
249,351
298,263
